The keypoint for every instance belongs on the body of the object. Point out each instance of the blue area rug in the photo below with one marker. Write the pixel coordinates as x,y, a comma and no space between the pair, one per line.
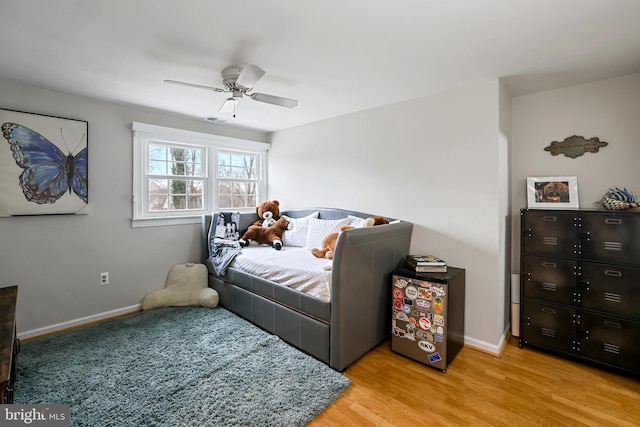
176,366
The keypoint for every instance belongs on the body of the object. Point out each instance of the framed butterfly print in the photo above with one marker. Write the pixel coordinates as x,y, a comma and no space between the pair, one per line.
43,164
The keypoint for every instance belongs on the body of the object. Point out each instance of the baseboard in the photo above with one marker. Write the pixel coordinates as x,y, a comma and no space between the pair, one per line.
75,323
492,349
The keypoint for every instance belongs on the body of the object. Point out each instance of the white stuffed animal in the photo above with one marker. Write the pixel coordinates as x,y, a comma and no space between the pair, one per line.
186,285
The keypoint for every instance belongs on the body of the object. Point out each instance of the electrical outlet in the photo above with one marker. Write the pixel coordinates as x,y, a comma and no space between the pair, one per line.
104,278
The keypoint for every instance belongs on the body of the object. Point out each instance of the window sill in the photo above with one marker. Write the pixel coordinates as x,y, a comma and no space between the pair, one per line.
164,221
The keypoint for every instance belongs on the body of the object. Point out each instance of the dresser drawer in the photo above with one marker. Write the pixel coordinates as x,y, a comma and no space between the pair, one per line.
549,279
610,340
549,233
611,237
549,326
611,289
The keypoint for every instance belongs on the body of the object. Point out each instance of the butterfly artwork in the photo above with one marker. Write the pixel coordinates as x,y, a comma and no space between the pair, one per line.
48,172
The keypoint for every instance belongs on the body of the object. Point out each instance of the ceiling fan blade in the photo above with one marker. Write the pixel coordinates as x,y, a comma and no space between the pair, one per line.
249,76
229,106
176,82
275,100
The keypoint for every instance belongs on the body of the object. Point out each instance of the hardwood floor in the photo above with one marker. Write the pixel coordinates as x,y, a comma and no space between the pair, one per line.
524,387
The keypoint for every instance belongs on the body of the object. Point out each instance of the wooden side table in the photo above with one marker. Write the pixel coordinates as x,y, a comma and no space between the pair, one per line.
9,345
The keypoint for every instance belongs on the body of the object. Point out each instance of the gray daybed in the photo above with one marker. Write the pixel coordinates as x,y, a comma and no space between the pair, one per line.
358,315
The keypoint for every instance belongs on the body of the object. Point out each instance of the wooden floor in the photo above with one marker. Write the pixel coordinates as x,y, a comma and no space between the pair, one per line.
524,387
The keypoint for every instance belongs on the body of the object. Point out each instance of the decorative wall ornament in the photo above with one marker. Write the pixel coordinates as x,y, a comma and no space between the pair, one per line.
43,164
575,146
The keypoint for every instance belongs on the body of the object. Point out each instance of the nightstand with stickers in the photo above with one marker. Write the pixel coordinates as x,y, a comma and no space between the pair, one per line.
428,315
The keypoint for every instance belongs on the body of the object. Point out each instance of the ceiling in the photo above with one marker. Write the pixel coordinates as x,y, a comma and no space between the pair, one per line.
334,56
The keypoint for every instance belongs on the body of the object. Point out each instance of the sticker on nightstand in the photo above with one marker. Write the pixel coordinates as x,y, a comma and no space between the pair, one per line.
426,304
402,316
398,332
440,330
437,305
438,320
412,320
438,291
439,337
401,283
426,346
424,323
411,292
411,333
398,294
424,293
406,309
397,304
434,357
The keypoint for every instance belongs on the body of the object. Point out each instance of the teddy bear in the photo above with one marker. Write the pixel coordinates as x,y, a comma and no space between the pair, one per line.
328,244
376,220
186,285
268,235
268,213
261,232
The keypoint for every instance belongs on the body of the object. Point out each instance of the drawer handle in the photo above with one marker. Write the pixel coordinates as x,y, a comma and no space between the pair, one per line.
613,221
612,324
613,273
549,264
549,218
548,310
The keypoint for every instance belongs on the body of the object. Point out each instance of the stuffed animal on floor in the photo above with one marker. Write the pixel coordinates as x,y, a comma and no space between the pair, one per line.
271,234
186,285
328,244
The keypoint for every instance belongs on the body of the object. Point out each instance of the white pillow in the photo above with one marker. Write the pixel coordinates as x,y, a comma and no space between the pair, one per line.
319,228
297,236
357,222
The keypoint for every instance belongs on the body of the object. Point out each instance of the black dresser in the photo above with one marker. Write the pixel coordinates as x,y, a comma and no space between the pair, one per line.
580,285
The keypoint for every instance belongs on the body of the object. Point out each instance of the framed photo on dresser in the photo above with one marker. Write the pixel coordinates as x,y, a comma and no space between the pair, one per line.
552,192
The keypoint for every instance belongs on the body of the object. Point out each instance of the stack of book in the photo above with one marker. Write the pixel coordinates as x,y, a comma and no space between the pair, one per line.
426,263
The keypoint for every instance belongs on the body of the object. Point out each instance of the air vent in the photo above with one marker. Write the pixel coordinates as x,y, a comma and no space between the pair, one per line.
612,246
214,119
552,241
611,348
548,332
611,297
546,286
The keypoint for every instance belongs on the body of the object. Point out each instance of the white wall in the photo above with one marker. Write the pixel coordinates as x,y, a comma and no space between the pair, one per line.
607,109
439,162
56,260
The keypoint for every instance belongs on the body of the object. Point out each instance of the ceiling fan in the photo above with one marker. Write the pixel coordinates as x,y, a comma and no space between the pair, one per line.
239,82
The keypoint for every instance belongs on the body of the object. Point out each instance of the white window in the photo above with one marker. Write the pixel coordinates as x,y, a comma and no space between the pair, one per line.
179,175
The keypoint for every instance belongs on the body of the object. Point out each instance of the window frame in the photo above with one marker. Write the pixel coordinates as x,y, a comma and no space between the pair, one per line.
144,134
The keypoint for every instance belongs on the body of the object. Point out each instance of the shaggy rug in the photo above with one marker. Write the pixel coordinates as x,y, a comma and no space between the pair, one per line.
176,366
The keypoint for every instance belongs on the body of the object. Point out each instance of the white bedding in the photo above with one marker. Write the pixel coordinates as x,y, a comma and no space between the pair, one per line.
291,266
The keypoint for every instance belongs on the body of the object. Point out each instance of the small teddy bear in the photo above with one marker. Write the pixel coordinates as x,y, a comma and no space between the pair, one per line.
329,243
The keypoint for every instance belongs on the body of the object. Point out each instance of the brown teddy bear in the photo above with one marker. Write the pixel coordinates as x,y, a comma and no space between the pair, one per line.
269,228
376,220
329,243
